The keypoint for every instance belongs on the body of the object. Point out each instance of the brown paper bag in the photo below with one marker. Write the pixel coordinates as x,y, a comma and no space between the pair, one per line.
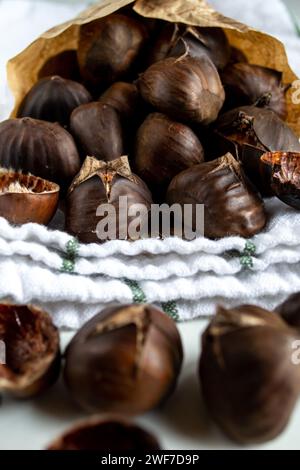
259,48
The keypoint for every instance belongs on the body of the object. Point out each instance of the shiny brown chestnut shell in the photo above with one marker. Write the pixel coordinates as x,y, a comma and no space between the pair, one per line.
64,64
247,84
185,88
283,171
98,184
249,382
98,131
53,99
42,148
176,39
289,310
31,346
106,433
108,49
163,149
27,198
124,98
231,205
124,360
248,132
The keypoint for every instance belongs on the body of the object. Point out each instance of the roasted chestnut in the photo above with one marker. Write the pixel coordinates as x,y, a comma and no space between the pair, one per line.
290,310
42,148
184,88
124,98
231,205
106,434
283,171
31,350
108,48
248,132
247,84
99,185
175,40
53,99
163,149
250,382
124,360
27,198
98,131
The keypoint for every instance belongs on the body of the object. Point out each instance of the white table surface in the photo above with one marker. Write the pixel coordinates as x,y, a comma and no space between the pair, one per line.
183,422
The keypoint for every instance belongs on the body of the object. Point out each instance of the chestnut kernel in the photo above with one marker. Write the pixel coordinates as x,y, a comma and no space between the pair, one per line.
248,132
247,84
100,183
53,99
106,434
42,148
283,173
249,381
231,205
124,360
108,48
27,198
32,354
98,130
185,88
163,149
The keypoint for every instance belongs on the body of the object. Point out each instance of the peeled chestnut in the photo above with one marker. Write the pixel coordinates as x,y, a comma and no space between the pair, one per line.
176,39
231,205
124,360
290,310
248,132
42,148
53,99
98,130
283,171
247,84
249,380
163,149
185,88
31,346
27,198
98,185
106,434
108,48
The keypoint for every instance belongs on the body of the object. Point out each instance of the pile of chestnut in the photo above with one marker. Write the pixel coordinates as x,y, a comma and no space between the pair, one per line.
127,359
198,123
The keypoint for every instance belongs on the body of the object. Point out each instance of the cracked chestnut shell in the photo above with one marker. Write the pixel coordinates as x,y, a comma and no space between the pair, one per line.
249,382
98,131
176,39
283,173
247,84
104,433
289,310
184,88
231,204
124,360
108,49
163,149
42,148
27,198
31,346
53,99
97,185
248,132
